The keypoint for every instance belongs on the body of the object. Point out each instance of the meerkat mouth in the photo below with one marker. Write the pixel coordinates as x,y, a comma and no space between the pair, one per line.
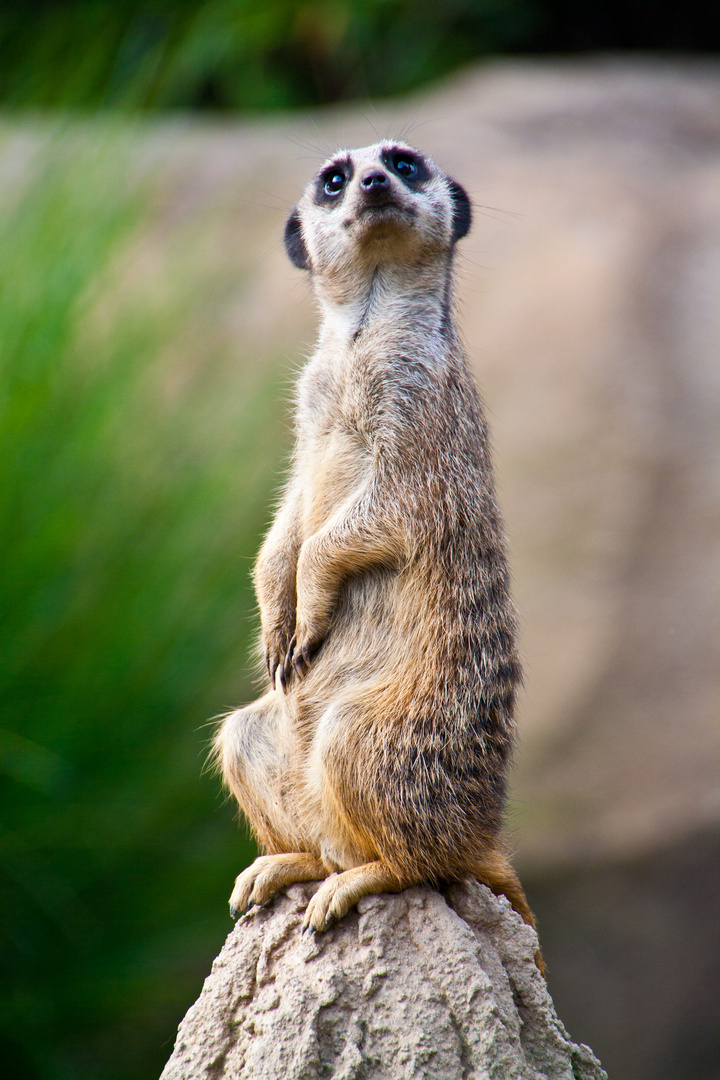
388,212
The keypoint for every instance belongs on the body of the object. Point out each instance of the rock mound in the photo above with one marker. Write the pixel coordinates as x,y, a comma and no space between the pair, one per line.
417,985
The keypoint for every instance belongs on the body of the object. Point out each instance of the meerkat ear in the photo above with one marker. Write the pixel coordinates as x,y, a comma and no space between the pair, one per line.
462,210
294,243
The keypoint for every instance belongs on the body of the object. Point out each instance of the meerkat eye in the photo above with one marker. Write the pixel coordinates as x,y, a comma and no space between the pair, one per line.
405,166
334,183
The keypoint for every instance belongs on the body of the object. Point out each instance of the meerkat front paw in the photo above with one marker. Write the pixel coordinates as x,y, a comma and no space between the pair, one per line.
301,652
276,643
311,627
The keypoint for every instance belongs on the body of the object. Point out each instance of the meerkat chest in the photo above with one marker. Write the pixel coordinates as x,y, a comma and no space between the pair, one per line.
334,458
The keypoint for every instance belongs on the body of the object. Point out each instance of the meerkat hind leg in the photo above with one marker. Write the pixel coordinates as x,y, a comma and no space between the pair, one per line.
340,892
271,873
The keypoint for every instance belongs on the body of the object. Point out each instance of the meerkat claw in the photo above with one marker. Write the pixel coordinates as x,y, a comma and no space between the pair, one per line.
300,664
303,658
286,666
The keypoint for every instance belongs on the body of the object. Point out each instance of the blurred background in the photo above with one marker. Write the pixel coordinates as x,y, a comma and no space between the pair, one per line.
150,330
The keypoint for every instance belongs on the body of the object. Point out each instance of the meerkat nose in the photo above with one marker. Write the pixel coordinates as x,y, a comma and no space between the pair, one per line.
376,180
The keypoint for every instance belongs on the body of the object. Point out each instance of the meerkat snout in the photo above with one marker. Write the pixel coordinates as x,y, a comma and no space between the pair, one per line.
375,184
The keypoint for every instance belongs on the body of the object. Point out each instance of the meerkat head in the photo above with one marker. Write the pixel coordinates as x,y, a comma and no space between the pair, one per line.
385,203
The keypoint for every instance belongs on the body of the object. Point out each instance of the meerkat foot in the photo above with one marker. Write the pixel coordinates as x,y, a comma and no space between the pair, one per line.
340,892
271,873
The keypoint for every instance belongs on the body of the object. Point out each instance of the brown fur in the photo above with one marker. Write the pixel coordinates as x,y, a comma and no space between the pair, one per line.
377,757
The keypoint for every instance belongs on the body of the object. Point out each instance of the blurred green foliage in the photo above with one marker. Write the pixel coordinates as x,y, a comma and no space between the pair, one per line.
130,506
275,54
242,54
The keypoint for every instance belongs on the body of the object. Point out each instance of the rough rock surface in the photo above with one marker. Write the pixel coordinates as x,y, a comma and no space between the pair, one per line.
409,986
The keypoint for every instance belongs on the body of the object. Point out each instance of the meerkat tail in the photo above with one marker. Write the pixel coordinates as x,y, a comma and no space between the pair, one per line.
495,871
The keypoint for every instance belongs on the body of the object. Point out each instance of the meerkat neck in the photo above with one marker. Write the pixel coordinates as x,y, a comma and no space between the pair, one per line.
387,297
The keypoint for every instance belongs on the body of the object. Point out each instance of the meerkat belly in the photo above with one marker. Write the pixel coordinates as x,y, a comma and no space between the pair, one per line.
334,472
366,680
382,626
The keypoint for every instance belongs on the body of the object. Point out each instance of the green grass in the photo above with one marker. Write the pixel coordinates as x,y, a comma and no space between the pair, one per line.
133,487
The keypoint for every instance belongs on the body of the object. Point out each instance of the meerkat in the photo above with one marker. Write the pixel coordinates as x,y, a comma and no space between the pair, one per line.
377,757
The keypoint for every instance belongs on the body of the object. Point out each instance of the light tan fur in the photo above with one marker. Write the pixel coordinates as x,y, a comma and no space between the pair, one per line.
376,759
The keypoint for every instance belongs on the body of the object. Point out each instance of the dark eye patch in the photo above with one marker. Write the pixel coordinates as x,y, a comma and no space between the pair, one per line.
332,182
406,164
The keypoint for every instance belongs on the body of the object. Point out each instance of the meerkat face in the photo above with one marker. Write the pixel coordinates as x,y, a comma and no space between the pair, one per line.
380,204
